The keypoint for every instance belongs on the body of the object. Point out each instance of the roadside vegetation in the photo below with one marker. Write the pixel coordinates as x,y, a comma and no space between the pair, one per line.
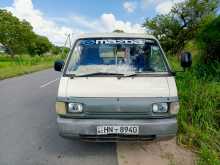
194,26
199,115
23,51
24,64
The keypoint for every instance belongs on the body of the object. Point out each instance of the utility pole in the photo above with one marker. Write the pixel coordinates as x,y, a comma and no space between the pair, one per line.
66,41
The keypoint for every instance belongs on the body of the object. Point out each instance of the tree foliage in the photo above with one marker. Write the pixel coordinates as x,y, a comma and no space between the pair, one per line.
40,45
182,23
209,37
18,36
166,28
12,32
56,50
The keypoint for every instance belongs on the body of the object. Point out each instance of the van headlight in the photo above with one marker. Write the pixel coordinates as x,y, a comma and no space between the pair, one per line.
174,108
75,107
160,107
60,108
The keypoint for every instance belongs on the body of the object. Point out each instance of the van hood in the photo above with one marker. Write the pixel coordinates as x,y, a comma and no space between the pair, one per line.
114,87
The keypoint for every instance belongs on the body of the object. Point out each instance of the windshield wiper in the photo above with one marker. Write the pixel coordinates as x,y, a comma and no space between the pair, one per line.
98,74
130,75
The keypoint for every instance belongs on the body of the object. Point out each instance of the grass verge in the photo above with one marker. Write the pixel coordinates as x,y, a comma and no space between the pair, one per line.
24,64
198,119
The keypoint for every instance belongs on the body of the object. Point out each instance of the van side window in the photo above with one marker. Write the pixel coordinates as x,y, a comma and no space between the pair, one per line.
155,59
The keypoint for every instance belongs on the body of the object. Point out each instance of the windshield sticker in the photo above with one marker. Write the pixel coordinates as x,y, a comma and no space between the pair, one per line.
87,42
128,42
114,42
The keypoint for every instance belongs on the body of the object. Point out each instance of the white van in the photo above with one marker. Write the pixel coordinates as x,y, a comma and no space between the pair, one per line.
117,86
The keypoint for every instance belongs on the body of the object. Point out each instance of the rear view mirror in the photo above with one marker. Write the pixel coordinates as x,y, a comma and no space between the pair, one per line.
186,59
58,65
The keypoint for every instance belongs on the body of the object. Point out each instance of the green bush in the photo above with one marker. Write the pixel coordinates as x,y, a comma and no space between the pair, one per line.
199,115
197,119
208,156
209,38
198,100
208,72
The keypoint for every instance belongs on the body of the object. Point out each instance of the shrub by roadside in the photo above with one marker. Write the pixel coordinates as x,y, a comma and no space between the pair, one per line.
199,117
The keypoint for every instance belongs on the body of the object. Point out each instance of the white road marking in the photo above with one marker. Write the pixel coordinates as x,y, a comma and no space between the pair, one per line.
48,83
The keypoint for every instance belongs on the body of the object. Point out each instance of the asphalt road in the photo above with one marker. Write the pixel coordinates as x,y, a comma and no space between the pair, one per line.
28,130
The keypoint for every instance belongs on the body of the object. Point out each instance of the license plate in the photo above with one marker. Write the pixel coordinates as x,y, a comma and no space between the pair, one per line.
123,130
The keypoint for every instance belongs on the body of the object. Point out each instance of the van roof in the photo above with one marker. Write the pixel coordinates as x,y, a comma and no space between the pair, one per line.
115,35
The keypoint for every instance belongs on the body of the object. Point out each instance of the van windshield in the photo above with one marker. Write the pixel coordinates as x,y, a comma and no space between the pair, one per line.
115,56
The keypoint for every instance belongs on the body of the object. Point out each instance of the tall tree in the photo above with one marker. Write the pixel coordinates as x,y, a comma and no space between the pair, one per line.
18,36
40,45
11,32
166,28
182,23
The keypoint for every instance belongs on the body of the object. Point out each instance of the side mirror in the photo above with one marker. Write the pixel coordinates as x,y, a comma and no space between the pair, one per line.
58,65
186,59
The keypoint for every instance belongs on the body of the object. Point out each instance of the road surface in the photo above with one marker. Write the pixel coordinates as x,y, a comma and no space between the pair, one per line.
28,130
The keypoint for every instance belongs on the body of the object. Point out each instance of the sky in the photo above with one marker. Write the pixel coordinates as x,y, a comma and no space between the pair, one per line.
58,18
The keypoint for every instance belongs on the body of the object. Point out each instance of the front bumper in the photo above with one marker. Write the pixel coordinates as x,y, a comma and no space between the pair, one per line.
149,129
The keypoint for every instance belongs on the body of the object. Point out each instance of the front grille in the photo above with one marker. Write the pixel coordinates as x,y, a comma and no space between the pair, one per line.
116,138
